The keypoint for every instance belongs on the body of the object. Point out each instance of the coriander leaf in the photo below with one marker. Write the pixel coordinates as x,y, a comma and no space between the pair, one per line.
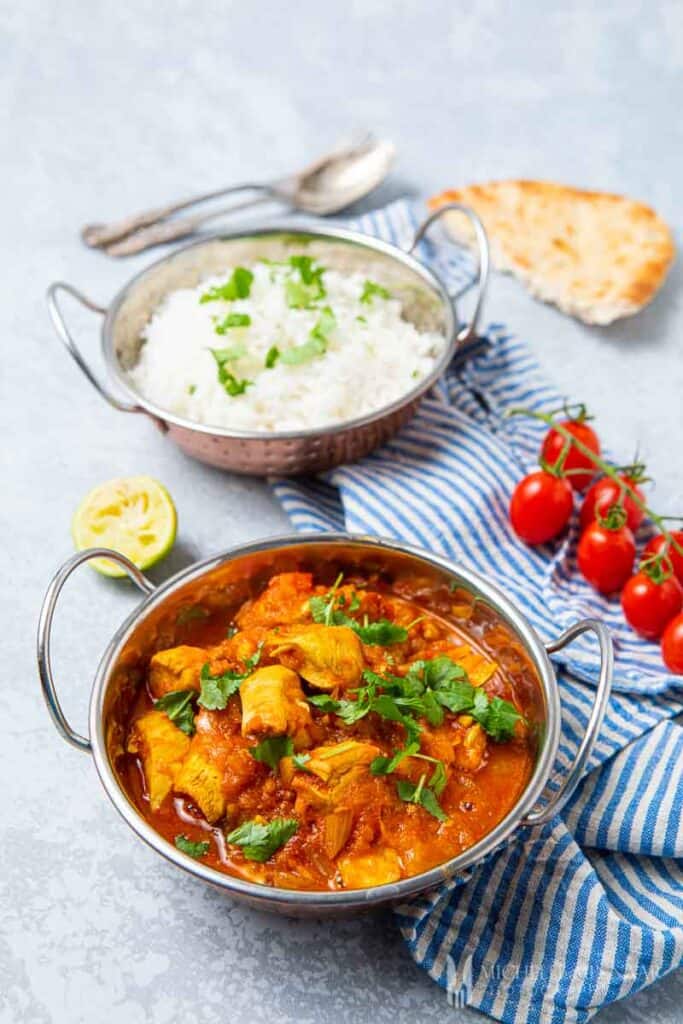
373,290
237,287
498,719
457,696
354,604
179,707
387,765
303,353
381,633
439,778
300,760
216,691
232,320
227,355
441,671
431,804
259,842
324,703
191,389
231,385
272,356
271,750
420,794
192,849
431,709
304,292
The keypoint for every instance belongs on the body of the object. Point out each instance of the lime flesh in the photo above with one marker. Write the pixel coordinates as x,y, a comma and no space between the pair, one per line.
134,515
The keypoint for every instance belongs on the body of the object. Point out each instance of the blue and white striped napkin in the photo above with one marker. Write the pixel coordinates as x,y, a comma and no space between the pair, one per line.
587,909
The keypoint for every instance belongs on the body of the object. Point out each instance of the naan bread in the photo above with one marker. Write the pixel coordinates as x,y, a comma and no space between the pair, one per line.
595,255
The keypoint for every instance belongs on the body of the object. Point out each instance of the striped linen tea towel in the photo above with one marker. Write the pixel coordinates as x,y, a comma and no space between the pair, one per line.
588,908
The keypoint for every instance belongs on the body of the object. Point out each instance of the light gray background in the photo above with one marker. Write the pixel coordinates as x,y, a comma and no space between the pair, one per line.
110,107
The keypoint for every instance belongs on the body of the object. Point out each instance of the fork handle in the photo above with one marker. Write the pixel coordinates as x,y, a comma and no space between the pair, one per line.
100,235
170,230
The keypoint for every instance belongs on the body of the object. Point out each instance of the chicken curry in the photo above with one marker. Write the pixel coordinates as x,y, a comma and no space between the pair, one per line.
340,735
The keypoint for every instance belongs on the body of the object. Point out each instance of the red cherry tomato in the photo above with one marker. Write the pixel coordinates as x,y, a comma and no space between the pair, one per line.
672,645
605,493
554,443
655,546
605,556
541,507
649,605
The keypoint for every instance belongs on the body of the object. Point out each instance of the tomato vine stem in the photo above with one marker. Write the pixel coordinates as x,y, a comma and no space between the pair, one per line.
605,468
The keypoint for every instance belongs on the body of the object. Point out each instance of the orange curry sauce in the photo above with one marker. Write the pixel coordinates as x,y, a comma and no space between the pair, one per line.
353,828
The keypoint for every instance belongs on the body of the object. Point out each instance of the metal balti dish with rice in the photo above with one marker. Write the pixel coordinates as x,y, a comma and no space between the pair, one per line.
279,352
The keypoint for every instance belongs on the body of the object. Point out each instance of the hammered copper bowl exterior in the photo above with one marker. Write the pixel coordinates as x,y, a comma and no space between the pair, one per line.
426,303
288,456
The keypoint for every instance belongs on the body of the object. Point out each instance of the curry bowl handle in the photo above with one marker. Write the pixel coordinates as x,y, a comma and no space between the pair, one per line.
62,330
44,639
468,330
602,692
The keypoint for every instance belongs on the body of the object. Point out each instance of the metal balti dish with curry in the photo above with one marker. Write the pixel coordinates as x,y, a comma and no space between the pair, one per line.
333,733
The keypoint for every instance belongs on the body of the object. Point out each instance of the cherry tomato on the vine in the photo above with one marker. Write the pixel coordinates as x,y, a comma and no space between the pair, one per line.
650,604
672,645
541,507
658,543
605,493
605,554
554,443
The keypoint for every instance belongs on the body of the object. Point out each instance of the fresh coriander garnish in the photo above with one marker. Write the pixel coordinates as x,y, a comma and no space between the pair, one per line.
304,290
372,290
272,356
260,841
317,341
216,691
328,610
420,793
191,389
231,385
271,750
192,849
179,707
232,320
237,287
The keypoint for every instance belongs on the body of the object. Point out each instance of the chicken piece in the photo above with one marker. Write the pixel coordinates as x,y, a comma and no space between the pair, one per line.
285,599
201,780
218,765
177,668
273,704
326,656
479,669
336,830
161,747
470,753
330,763
363,870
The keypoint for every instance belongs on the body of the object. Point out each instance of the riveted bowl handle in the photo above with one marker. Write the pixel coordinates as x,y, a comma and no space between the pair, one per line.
44,639
62,330
468,330
602,692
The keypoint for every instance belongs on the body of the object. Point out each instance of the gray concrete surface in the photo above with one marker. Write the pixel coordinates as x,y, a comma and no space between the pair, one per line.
112,107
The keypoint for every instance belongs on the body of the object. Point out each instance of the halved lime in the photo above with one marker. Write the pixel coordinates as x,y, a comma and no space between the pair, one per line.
134,515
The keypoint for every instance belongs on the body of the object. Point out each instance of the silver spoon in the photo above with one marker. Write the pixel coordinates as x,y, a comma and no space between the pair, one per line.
326,186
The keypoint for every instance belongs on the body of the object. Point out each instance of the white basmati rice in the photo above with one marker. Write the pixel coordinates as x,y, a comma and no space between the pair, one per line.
373,356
